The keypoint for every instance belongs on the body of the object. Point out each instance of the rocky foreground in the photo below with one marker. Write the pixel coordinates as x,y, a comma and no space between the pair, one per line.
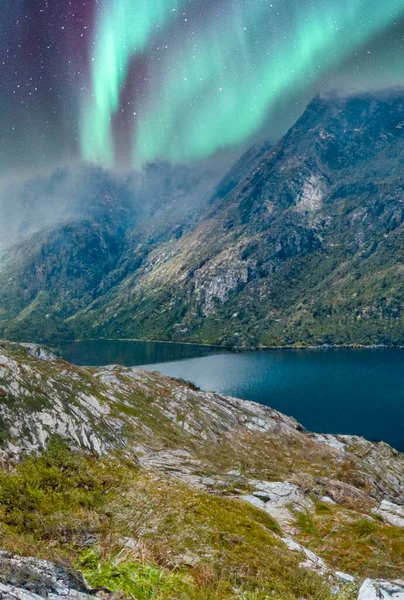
199,482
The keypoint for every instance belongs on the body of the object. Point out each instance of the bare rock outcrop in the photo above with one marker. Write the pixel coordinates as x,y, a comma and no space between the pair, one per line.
31,579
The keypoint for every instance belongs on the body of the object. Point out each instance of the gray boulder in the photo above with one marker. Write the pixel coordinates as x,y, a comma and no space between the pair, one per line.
31,578
392,513
381,590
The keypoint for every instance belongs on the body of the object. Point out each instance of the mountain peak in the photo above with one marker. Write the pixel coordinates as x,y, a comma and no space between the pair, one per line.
328,194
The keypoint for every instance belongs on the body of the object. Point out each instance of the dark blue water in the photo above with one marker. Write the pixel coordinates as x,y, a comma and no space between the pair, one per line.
331,391
99,353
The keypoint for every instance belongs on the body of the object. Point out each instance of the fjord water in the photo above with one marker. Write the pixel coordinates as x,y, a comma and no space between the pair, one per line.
97,353
344,391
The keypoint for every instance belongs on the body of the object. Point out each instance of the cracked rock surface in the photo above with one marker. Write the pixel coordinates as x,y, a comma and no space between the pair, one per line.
31,578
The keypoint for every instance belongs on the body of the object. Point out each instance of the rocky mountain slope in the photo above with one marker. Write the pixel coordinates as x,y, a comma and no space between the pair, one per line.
300,244
180,491
305,250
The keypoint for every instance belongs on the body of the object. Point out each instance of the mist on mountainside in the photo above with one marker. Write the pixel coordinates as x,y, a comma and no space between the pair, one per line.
296,244
86,192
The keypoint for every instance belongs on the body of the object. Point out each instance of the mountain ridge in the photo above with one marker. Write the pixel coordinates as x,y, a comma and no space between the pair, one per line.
305,249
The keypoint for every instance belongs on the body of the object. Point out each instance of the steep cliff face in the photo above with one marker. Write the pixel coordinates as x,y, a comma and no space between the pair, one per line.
301,243
187,480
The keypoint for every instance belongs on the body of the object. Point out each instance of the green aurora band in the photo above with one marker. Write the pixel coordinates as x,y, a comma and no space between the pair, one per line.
123,30
216,84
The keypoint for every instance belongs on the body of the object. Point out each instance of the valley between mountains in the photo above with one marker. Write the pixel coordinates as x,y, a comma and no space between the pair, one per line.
121,483
299,244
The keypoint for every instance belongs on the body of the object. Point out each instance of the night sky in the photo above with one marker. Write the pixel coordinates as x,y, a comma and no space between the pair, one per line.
121,82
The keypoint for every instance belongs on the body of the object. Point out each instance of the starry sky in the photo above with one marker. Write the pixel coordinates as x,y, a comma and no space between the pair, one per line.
123,82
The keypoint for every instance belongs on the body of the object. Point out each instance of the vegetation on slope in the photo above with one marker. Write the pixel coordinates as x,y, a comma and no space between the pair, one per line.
301,244
184,493
354,543
147,536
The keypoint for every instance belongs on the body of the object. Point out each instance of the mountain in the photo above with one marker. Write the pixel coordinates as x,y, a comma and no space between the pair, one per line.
67,236
240,169
153,489
61,267
301,243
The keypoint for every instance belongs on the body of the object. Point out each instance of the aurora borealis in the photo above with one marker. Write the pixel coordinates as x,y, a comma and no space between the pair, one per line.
127,81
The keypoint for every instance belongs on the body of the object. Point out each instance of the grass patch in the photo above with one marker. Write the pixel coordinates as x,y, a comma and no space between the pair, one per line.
149,536
322,508
354,544
305,522
56,496
140,581
148,581
365,527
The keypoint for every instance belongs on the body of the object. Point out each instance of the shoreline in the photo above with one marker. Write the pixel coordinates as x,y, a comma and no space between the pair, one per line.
241,348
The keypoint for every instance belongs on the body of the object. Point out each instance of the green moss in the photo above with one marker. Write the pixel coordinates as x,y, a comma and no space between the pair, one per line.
141,581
